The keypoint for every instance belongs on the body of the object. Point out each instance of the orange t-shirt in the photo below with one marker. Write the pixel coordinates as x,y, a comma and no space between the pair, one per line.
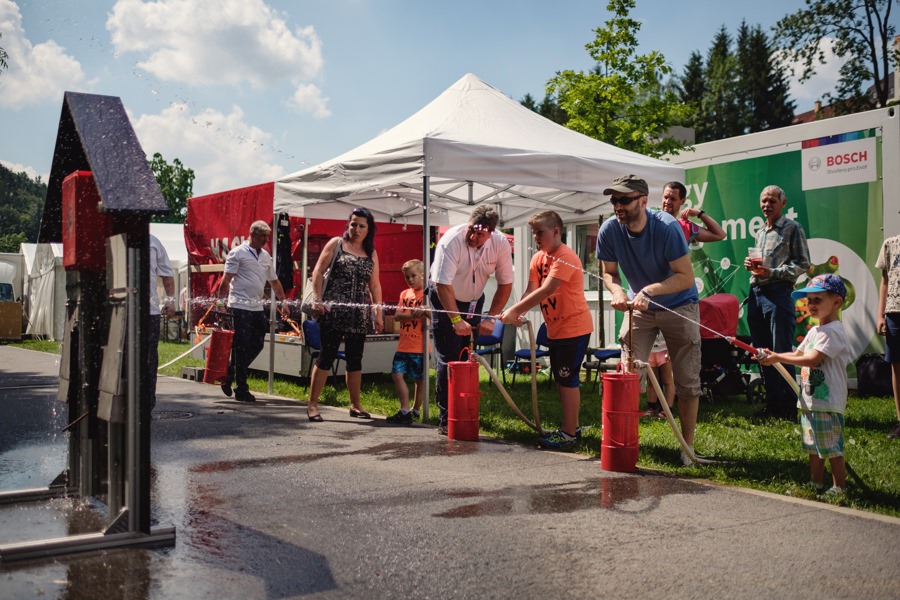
410,330
565,311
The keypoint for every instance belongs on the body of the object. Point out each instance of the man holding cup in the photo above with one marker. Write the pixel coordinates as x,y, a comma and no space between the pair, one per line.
780,256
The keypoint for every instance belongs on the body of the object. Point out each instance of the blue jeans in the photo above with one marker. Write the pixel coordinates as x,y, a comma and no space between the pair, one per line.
448,345
771,319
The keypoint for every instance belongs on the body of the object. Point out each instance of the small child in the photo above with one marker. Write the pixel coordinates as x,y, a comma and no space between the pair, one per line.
823,356
556,283
408,358
659,359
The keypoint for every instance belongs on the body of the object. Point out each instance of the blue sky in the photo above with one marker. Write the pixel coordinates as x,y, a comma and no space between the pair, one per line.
245,91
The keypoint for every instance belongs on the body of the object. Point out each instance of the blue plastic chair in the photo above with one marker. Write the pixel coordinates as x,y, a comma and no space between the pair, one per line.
542,343
602,355
312,340
491,345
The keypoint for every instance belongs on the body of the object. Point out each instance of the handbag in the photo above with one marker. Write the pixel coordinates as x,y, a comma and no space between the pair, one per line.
309,293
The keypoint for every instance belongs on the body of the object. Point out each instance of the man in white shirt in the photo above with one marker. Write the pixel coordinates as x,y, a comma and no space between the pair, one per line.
465,257
247,269
159,267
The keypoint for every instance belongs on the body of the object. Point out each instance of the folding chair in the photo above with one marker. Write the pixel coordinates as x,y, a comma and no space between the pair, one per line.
542,343
490,345
600,355
312,341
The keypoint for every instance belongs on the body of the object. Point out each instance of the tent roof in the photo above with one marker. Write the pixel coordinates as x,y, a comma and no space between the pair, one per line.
172,237
476,145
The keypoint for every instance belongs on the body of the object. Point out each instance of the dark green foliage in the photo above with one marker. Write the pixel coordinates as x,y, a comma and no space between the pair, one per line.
176,184
21,206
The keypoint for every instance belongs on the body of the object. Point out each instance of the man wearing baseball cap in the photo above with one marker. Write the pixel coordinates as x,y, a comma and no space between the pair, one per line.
650,249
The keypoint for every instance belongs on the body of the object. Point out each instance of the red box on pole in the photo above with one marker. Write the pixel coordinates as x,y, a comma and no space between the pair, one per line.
84,227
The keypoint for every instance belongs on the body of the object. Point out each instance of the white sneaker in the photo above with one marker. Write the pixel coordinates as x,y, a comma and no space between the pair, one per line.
685,459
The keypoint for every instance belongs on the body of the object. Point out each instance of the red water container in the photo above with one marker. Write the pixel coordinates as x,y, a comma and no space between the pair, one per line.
217,356
621,398
463,395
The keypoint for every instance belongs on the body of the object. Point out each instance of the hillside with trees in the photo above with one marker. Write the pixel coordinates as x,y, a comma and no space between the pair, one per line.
21,206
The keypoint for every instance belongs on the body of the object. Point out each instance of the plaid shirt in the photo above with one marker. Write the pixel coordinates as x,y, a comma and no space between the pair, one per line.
784,251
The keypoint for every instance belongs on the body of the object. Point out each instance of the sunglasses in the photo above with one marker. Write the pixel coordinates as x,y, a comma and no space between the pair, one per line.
624,200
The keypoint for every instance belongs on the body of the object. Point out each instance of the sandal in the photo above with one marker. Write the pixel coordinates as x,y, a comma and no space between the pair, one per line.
316,418
359,414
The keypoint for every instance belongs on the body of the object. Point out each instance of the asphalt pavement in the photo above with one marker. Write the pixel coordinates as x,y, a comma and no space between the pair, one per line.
266,504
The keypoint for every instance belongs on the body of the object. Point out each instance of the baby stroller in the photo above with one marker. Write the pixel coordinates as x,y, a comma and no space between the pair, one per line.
725,370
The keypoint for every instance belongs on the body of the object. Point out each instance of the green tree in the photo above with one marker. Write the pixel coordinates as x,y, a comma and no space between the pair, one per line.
719,108
621,101
21,206
177,185
861,33
763,90
3,56
691,88
548,108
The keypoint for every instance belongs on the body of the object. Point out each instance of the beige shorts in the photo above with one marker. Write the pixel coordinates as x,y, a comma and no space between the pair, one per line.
682,333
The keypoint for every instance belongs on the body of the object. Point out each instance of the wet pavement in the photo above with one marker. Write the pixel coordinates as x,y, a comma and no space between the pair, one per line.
268,505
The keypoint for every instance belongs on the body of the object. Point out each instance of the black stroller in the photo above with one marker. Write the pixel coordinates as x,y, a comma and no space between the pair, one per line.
725,370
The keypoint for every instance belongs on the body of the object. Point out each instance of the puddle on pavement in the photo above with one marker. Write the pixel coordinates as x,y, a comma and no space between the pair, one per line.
635,494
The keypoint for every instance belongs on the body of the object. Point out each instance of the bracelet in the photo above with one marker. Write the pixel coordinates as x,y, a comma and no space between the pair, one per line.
455,319
701,213
644,292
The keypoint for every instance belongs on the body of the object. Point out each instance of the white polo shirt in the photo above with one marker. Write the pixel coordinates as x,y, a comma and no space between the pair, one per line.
159,267
468,269
251,272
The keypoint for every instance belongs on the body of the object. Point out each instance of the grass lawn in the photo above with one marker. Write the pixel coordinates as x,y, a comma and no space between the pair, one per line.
763,455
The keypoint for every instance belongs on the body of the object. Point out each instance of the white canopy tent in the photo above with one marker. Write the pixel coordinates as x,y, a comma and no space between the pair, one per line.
470,145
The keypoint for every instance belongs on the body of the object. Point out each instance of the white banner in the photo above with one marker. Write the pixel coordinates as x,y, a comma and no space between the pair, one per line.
843,163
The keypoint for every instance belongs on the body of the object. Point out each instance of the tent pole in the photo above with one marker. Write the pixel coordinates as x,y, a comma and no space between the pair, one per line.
426,260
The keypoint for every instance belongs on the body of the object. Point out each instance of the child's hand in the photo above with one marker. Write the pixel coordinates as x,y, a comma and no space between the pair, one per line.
766,357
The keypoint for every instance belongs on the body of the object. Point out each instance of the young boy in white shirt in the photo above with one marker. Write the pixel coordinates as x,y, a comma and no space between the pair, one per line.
823,356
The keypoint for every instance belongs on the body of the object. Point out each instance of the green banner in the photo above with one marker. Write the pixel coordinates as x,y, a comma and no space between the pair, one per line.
833,187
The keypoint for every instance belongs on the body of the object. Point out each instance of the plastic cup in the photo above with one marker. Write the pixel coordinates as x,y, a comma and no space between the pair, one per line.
756,261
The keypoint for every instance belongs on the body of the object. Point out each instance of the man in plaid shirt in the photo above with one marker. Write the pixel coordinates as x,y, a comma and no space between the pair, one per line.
770,308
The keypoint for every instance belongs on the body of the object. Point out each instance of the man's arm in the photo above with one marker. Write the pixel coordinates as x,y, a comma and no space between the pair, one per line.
224,286
711,230
168,308
612,280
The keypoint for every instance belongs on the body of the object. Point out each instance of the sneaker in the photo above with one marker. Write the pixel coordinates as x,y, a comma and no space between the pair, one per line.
400,418
809,489
685,459
415,414
244,397
834,492
895,433
653,410
557,440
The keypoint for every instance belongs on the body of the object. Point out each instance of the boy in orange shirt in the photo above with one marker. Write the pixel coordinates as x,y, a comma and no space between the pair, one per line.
556,282
408,358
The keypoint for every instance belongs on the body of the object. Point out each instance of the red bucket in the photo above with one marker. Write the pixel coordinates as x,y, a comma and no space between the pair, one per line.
217,356
463,395
621,398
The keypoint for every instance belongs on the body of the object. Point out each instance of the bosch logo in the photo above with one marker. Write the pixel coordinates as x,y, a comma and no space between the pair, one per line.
846,159
815,163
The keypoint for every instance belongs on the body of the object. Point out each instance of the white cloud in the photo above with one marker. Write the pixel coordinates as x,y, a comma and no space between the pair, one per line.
308,98
225,42
29,171
36,73
223,150
825,80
